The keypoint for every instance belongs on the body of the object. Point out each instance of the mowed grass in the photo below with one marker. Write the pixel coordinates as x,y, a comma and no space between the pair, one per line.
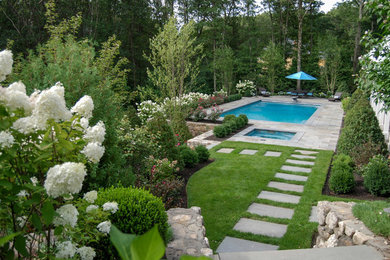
373,216
225,189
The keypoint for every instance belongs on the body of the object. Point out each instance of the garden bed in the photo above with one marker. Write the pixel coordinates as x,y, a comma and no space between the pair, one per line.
214,138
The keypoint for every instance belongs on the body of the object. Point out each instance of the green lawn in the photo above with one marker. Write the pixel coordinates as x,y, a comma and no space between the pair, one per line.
225,189
373,216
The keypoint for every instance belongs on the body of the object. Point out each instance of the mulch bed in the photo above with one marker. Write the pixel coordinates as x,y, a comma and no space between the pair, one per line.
205,121
214,138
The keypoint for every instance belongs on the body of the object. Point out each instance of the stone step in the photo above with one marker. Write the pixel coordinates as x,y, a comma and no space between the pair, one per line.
272,154
295,169
279,197
248,152
305,152
285,186
259,227
231,244
299,162
270,211
290,177
225,150
299,156
313,214
334,253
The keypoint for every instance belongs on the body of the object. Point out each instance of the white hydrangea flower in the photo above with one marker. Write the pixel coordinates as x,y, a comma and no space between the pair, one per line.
34,180
64,179
91,208
22,193
96,133
68,216
65,250
6,62
21,221
17,86
110,206
104,227
84,107
91,196
93,152
86,253
33,98
84,123
14,99
50,104
27,125
6,139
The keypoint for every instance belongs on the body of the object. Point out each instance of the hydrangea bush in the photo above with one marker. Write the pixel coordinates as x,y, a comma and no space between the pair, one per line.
44,149
246,88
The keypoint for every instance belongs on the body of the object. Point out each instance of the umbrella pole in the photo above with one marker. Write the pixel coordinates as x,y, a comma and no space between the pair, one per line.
299,85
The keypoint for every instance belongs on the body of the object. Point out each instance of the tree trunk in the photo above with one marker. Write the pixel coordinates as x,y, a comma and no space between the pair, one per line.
214,72
357,49
299,47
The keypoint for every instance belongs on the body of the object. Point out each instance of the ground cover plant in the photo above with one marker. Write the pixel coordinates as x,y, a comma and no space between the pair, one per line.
373,216
225,189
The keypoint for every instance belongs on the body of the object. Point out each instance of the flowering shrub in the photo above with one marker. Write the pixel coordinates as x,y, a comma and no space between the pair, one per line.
44,147
147,109
198,114
215,113
161,169
246,88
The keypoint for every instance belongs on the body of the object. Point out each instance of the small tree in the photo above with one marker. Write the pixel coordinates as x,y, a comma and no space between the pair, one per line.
331,54
224,65
273,62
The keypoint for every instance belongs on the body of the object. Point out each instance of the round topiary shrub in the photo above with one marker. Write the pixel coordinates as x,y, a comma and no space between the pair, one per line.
245,118
342,180
220,131
203,153
377,176
138,210
240,122
228,118
232,124
188,156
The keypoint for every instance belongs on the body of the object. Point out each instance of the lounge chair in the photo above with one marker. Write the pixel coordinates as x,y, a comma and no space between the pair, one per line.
264,92
336,97
301,93
310,93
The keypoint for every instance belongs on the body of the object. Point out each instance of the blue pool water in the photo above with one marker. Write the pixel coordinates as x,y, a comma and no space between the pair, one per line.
273,111
280,135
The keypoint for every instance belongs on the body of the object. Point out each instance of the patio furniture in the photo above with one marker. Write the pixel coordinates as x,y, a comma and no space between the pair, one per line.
336,97
301,93
263,92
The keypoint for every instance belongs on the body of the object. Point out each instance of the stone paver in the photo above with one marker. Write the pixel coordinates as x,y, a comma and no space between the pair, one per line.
290,177
270,211
299,156
285,186
231,244
259,227
225,150
313,215
272,154
248,152
305,152
299,162
280,197
295,169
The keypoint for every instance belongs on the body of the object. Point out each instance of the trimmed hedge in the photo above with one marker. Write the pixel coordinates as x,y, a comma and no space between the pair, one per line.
231,123
203,153
377,176
188,156
232,98
342,180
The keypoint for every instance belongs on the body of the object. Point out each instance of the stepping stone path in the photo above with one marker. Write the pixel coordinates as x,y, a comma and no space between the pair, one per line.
272,154
285,186
225,150
265,228
248,152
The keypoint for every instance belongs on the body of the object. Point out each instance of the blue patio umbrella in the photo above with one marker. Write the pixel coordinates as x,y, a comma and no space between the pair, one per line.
301,76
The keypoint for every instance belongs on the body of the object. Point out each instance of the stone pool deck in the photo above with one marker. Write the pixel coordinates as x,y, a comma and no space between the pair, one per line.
321,131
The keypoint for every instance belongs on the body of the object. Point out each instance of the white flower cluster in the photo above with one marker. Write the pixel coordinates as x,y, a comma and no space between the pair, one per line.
91,196
93,152
96,134
6,139
67,216
147,109
245,86
65,250
14,97
380,52
84,107
64,179
110,206
6,62
104,227
86,253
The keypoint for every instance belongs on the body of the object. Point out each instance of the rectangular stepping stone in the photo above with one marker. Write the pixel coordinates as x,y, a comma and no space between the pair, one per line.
231,244
272,154
300,162
295,169
248,151
305,152
225,150
259,227
285,186
313,215
280,197
270,211
299,156
290,177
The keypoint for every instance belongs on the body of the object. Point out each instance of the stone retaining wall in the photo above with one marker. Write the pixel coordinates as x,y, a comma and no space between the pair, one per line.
338,227
198,128
188,234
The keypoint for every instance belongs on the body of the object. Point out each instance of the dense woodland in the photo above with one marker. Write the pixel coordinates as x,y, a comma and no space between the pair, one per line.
240,39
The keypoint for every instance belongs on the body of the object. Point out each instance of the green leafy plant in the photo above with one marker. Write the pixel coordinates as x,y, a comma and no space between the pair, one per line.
220,131
227,118
377,176
203,153
188,156
341,179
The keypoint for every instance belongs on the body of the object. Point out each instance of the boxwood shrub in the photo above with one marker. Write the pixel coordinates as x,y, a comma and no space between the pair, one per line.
230,124
188,156
341,179
228,118
377,176
203,153
220,131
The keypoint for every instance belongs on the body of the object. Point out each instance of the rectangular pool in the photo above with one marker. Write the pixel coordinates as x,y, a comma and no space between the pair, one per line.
280,135
273,111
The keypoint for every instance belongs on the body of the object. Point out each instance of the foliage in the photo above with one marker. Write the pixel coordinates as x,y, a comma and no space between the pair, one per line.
215,113
228,118
138,210
198,114
220,131
188,156
341,179
345,103
356,96
224,65
364,152
230,124
360,126
180,128
377,176
246,88
233,97
244,117
272,63
203,153
373,216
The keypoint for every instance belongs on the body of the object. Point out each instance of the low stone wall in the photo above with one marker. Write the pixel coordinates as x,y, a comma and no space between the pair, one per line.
188,234
338,227
198,128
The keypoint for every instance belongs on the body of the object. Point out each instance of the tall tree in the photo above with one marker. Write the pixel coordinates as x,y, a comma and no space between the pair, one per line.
357,49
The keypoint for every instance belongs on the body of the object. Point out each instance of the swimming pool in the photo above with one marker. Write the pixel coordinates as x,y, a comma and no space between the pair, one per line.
273,111
279,135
